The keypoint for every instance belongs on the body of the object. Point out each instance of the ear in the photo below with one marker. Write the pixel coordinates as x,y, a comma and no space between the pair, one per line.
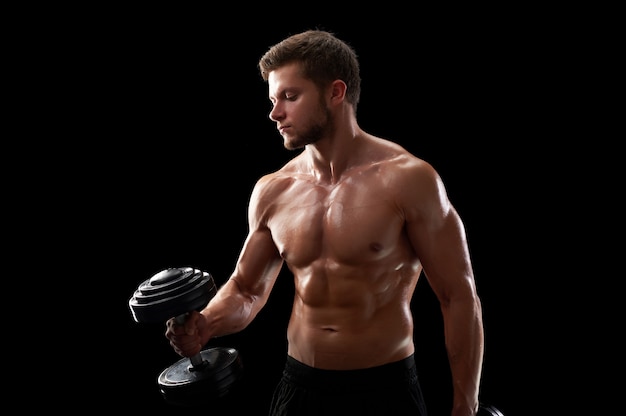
338,91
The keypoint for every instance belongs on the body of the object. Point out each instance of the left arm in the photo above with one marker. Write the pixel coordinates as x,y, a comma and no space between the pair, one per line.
438,237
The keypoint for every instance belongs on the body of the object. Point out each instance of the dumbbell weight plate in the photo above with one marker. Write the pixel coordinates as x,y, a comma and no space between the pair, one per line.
170,293
186,385
488,410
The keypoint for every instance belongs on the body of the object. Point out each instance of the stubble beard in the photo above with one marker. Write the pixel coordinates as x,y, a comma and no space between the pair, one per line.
313,134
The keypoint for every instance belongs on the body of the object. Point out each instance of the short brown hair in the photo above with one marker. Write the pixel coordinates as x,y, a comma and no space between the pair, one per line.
323,58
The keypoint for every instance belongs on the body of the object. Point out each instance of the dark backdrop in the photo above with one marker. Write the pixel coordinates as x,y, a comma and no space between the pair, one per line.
178,133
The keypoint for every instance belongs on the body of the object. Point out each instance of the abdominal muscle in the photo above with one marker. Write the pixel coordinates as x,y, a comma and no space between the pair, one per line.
371,330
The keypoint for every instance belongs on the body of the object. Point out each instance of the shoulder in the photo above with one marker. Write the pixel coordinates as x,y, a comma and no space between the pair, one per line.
406,165
413,182
271,185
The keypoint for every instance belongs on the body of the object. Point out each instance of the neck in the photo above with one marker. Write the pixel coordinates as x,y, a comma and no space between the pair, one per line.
328,159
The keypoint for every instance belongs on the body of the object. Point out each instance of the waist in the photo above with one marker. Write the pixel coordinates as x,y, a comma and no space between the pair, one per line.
343,344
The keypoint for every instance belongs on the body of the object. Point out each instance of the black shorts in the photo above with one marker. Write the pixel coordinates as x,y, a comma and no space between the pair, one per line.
388,390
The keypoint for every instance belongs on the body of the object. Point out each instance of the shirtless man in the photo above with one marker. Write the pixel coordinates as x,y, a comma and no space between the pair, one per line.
356,219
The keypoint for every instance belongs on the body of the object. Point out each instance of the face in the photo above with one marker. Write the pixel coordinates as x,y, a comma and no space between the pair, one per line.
298,108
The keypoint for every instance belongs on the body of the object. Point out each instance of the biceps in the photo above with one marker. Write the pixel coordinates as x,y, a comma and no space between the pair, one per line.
258,265
441,246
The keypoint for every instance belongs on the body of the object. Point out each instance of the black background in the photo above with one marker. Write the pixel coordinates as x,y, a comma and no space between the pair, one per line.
171,114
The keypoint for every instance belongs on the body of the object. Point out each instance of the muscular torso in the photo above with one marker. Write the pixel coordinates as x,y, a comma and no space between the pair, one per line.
354,268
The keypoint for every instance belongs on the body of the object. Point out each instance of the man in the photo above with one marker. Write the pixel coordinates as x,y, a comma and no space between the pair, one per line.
356,219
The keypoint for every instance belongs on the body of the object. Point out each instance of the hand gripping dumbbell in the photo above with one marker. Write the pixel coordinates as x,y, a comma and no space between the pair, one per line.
211,373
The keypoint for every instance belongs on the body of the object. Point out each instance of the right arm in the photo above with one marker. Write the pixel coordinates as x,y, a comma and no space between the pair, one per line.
243,295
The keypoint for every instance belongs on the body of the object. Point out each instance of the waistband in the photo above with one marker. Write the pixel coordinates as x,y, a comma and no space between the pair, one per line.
395,373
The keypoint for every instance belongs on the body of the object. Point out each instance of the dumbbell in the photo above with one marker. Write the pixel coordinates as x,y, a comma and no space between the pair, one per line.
208,375
488,410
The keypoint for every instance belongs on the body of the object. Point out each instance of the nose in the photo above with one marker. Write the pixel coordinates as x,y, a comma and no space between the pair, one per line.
276,113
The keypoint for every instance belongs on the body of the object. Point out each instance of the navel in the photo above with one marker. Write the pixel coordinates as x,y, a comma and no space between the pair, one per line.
376,247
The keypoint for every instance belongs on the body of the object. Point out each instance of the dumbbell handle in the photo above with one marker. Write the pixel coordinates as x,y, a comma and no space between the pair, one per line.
196,360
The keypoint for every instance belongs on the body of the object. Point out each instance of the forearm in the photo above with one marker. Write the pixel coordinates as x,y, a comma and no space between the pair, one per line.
230,310
465,344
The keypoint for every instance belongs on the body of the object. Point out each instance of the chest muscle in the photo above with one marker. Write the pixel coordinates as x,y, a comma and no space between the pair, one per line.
345,224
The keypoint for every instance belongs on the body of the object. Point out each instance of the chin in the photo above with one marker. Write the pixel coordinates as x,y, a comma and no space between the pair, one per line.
291,145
